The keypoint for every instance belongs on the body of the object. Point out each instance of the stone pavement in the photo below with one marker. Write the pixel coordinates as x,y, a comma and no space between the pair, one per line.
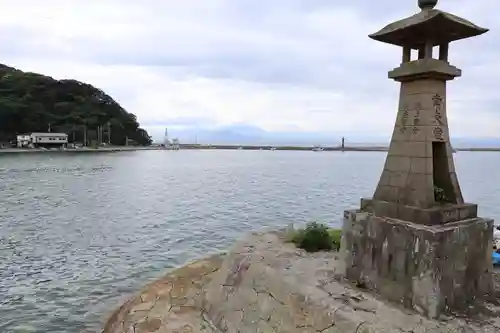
168,305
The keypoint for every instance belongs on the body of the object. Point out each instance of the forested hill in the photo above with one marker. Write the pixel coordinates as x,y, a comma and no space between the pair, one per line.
31,102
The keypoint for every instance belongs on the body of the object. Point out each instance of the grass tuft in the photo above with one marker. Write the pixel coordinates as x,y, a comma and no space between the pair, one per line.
315,237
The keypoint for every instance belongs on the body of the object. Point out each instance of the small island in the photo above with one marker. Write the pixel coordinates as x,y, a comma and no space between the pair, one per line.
35,103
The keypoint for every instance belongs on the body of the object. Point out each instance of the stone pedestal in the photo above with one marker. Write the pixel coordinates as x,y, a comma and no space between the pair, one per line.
427,268
417,242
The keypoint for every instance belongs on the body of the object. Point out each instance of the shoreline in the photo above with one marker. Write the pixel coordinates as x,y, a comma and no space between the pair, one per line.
7,151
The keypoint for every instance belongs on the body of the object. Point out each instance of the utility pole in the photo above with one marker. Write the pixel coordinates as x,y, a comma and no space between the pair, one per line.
109,133
85,135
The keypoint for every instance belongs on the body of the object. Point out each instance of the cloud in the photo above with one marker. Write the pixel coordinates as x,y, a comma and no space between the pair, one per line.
281,65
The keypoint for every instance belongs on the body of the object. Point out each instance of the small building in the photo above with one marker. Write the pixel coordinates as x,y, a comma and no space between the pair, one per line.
49,139
35,140
175,144
23,140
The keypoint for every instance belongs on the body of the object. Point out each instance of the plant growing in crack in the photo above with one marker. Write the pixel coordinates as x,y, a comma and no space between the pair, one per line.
439,195
316,237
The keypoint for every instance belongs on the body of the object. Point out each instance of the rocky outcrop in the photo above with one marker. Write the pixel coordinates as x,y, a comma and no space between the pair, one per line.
264,284
168,304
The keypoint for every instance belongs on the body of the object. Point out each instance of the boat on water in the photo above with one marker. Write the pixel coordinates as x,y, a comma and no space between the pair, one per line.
317,148
273,149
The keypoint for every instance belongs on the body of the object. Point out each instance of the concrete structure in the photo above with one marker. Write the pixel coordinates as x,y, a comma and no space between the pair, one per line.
175,144
23,140
170,144
416,242
166,140
264,284
35,140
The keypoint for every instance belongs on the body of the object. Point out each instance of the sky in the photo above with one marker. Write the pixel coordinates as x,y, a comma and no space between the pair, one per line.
280,65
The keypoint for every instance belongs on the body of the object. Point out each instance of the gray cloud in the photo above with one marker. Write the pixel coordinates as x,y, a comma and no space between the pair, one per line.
181,121
320,45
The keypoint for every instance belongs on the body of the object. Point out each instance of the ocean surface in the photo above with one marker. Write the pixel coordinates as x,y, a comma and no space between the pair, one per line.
79,233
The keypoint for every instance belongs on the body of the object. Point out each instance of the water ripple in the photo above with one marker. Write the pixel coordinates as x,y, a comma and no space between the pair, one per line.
79,234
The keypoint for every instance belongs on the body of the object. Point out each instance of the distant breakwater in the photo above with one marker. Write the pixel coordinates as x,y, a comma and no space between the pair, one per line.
268,147
310,148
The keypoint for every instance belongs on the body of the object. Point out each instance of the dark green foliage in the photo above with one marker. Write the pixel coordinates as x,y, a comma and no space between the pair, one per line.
31,102
317,237
439,195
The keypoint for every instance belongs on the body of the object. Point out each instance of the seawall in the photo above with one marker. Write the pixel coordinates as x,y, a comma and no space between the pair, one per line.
71,151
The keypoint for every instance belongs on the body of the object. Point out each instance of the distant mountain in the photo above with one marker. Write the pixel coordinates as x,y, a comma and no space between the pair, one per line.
221,135
245,134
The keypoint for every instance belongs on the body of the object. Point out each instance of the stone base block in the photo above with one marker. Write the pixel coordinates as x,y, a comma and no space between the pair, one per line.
431,269
429,216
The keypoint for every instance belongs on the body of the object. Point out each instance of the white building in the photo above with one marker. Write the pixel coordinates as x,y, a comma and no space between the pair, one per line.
175,144
42,139
166,140
23,140
56,139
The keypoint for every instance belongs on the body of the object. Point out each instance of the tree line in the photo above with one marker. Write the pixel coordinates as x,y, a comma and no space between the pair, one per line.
31,102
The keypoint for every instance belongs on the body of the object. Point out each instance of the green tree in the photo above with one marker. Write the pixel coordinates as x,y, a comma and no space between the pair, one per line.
30,102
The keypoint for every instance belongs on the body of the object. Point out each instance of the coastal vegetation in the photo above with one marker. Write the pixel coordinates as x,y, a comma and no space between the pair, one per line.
31,102
316,237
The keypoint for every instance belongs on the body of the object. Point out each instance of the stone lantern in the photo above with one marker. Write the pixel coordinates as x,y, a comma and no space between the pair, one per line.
416,242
